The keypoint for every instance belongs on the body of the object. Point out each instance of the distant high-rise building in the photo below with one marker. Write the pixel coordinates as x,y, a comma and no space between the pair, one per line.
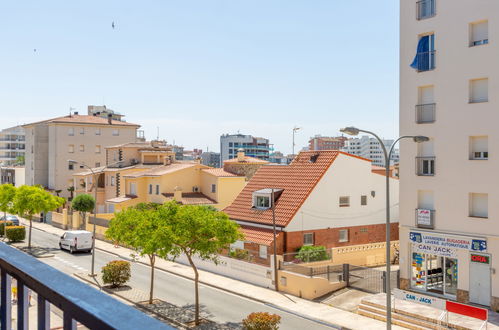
211,158
368,147
12,145
256,147
319,142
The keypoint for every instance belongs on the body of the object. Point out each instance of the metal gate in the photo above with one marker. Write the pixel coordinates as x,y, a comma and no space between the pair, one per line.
369,279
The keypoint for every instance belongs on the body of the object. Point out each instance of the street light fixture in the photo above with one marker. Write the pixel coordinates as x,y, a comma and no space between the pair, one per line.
94,175
295,129
418,139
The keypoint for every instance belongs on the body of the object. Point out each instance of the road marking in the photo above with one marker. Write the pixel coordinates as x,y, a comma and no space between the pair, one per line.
69,263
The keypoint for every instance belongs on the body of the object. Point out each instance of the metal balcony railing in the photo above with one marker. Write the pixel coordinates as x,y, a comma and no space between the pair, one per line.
425,113
425,9
426,61
425,218
77,301
425,166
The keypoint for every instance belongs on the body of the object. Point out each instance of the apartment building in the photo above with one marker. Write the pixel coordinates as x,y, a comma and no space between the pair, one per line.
449,228
256,147
12,145
368,147
320,142
210,158
83,138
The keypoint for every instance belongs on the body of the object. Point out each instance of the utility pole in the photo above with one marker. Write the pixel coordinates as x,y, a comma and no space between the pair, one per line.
276,285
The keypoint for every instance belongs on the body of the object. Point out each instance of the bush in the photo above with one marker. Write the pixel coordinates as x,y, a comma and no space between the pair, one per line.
2,226
116,273
239,254
312,253
16,233
261,321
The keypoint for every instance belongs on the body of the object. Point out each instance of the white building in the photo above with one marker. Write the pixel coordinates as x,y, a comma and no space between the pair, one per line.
368,147
449,230
256,147
12,145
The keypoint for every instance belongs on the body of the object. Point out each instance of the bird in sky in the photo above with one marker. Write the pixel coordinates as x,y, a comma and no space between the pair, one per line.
112,25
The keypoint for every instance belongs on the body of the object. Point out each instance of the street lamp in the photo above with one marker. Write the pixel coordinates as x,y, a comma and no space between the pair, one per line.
94,175
418,139
295,129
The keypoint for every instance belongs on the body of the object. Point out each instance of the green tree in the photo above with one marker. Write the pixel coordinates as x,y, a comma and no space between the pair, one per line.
83,203
203,232
7,193
20,160
144,228
31,200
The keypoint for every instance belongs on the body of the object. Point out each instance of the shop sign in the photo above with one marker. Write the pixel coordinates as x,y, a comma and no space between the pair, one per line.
419,298
424,217
480,258
435,250
448,241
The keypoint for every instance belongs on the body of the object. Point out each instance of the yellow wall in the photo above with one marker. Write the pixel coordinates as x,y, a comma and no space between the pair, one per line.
206,181
306,287
362,255
228,188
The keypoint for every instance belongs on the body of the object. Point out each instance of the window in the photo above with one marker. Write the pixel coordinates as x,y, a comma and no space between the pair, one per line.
425,109
82,147
479,147
262,202
70,167
97,164
237,245
344,201
116,132
479,205
71,148
230,144
262,251
363,200
343,235
425,162
479,33
97,131
133,189
112,180
150,189
479,90
71,131
82,130
97,149
157,189
213,188
425,9
308,239
425,54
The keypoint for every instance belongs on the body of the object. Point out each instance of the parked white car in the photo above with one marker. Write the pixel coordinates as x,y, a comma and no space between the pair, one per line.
76,240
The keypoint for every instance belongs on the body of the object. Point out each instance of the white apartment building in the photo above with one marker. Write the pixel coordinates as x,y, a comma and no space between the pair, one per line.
256,147
449,82
12,145
369,147
83,138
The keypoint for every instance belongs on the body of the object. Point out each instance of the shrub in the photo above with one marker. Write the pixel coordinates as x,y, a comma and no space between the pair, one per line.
2,226
16,233
312,253
261,321
239,254
116,273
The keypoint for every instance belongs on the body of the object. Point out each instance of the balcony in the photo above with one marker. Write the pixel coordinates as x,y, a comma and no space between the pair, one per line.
425,113
425,218
77,301
425,166
425,9
425,61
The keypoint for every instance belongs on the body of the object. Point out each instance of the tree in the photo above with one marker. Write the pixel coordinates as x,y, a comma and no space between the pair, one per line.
7,193
20,160
200,231
30,200
83,203
142,228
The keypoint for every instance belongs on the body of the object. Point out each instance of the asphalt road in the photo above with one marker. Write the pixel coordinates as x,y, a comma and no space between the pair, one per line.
218,305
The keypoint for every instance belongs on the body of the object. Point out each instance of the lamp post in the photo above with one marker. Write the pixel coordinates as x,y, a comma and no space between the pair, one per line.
295,129
276,277
388,155
94,175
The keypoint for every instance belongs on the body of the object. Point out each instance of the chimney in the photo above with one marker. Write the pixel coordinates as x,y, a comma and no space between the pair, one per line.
76,113
177,194
110,118
240,155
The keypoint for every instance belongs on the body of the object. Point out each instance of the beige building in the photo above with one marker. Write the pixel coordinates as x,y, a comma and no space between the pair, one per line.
83,138
449,234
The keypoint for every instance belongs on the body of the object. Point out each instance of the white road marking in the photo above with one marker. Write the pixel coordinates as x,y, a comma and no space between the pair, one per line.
69,263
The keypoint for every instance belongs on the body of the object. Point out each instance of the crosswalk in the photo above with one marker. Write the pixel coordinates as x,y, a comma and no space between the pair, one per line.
70,264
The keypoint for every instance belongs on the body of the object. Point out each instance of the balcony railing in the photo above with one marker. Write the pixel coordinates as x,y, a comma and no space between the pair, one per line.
425,166
77,301
425,9
426,61
425,218
425,113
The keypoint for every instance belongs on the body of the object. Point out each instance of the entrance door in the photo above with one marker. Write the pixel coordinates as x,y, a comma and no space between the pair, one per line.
480,279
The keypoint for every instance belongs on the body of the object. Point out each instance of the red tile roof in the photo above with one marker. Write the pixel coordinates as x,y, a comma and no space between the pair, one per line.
258,235
297,181
220,172
84,119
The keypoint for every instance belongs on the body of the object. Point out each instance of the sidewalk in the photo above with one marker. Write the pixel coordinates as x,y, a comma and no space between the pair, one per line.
285,302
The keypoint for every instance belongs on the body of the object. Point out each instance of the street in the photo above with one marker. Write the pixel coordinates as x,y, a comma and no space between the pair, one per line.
218,305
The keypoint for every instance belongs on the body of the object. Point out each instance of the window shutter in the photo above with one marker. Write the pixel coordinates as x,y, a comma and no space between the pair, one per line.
479,90
480,31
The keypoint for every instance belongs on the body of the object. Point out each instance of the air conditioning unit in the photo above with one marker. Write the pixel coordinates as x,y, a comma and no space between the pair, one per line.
195,189
134,161
481,155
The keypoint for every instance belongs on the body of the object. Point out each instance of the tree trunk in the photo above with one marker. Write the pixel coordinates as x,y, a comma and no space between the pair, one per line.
30,226
196,288
152,259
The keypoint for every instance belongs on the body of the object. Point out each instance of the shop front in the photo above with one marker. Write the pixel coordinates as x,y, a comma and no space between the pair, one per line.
436,260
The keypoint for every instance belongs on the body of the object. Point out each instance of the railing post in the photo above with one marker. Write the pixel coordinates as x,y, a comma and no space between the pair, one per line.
384,281
69,322
398,278
328,276
346,273
6,310
43,313
22,306
311,272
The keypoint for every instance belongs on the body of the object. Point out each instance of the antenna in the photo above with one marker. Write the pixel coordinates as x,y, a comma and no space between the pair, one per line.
71,109
157,138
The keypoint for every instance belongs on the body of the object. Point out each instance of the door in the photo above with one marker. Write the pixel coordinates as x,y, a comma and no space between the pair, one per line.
480,279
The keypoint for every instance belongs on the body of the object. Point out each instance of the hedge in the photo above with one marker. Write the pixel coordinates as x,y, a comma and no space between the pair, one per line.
2,226
116,273
261,321
312,253
16,233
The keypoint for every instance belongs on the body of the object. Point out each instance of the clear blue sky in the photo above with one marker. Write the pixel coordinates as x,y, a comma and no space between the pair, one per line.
198,69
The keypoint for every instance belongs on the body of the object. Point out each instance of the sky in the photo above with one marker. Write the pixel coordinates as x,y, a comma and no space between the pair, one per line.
201,68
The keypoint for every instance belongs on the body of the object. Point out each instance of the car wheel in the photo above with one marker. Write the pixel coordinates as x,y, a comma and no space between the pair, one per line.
60,246
71,250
